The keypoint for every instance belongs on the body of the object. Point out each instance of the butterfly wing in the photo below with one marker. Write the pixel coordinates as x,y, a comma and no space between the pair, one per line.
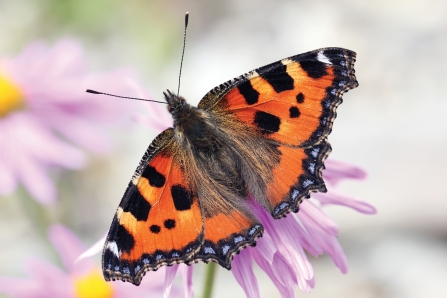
158,221
291,103
161,221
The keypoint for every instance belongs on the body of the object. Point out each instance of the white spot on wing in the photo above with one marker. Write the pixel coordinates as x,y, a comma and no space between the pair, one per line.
286,61
113,248
312,167
136,179
322,58
209,250
119,212
307,182
252,74
225,249
254,229
238,239
295,193
283,205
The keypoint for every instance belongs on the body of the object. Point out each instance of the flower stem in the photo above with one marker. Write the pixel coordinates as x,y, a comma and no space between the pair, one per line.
209,279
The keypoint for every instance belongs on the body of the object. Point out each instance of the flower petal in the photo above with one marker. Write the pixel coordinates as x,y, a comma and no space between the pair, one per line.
187,280
46,147
8,181
36,180
316,215
81,132
169,279
281,274
53,280
20,288
336,171
93,250
69,248
242,269
266,248
334,197
326,240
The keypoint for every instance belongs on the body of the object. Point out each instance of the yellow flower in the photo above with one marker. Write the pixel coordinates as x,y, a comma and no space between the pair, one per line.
92,285
11,97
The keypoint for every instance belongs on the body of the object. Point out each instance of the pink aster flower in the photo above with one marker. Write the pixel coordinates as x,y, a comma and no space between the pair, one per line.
78,279
46,118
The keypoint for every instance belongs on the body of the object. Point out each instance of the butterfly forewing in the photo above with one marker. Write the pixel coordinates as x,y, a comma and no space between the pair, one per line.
158,222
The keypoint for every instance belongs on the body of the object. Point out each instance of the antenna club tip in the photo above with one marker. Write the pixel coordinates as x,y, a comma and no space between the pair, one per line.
186,19
92,91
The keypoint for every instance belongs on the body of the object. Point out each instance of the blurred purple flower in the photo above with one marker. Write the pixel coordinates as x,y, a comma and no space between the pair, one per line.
47,118
81,279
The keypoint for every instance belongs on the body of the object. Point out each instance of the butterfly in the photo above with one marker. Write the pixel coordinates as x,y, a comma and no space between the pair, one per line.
261,136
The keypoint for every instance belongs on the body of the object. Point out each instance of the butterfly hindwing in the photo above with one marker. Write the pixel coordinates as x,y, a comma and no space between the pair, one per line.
158,222
226,234
297,175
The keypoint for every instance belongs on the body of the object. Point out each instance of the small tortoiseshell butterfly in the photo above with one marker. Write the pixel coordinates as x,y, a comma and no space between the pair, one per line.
262,135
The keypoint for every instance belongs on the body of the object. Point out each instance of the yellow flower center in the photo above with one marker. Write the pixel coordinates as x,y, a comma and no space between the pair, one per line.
11,97
92,285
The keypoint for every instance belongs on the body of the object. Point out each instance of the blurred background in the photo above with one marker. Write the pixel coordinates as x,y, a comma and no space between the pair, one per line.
394,125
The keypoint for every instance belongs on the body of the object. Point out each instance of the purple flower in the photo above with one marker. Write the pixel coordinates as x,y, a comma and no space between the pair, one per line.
47,119
80,279
280,253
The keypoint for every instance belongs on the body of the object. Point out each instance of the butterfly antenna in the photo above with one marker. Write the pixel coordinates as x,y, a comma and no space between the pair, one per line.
97,92
183,52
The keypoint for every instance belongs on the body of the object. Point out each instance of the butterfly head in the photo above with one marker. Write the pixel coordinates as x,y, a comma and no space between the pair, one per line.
175,103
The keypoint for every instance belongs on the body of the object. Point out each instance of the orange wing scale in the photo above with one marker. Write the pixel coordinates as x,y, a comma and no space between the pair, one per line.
222,226
286,173
297,174
299,117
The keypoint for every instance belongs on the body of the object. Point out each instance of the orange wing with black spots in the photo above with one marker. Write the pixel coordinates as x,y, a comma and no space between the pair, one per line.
292,103
159,220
